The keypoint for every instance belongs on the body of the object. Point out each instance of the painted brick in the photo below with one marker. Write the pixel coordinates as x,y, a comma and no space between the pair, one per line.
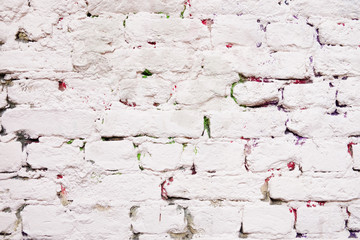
10,157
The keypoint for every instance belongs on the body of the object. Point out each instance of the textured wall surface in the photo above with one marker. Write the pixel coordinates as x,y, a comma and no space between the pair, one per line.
165,119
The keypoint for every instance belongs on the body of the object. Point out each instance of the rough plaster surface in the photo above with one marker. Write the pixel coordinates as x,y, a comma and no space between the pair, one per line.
173,119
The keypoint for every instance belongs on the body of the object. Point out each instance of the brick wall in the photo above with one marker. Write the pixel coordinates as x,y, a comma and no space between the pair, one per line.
165,119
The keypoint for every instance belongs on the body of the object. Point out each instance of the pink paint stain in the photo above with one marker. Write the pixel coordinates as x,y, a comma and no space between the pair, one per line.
349,147
63,190
164,195
294,210
229,45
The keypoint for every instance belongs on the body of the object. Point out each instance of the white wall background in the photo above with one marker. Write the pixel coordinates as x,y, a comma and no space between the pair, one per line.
247,127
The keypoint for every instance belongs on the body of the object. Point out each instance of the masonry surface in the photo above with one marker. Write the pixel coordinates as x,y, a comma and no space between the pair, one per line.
165,119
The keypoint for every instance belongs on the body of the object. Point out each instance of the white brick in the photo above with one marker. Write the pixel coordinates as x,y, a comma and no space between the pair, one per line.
41,221
142,28
216,220
348,9
154,59
317,123
145,91
354,218
100,34
318,94
266,9
256,93
120,6
161,157
10,156
341,32
159,219
34,61
7,222
280,36
200,90
32,189
249,124
244,187
112,155
335,60
271,153
238,31
323,156
260,63
219,157
108,222
347,92
267,219
43,156
152,123
71,124
322,189
116,188
320,219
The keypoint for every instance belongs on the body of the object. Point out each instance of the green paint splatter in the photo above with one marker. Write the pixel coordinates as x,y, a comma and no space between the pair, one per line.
70,142
147,73
242,80
182,13
195,150
206,126
138,156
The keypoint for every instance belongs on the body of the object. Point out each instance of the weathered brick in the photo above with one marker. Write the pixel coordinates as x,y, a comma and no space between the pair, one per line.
320,219
356,155
34,189
322,189
10,157
341,32
347,9
143,28
212,220
159,219
7,222
256,93
152,123
354,218
234,30
317,123
244,187
219,157
161,157
335,60
319,94
267,219
34,61
42,221
280,36
347,92
53,158
112,155
71,124
248,124
120,6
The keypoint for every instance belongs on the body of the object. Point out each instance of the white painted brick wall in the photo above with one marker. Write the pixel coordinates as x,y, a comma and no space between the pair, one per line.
179,119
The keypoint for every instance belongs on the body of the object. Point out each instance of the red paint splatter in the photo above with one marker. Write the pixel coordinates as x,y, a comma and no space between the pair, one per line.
300,81
164,195
62,86
294,210
128,103
151,43
59,176
187,2
321,203
350,149
268,178
156,104
341,24
254,79
171,179
207,22
229,45
193,169
291,166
